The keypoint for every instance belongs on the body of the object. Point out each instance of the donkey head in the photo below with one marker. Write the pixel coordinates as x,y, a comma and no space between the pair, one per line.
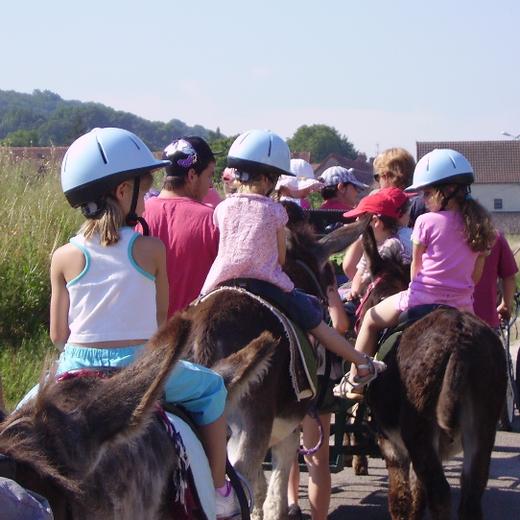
61,435
389,274
307,262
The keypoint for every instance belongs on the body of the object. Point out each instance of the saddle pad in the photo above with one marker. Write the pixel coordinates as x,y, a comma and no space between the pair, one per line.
387,344
199,465
303,364
392,336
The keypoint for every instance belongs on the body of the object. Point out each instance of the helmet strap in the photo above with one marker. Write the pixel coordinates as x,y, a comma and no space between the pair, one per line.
132,219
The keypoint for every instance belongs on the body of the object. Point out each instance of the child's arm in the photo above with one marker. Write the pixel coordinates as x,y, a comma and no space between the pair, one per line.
352,256
150,254
161,285
417,252
355,287
59,311
280,238
508,293
337,312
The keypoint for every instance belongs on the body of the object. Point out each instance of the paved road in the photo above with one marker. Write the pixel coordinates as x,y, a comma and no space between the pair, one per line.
365,498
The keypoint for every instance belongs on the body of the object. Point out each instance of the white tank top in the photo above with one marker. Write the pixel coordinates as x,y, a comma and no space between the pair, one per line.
113,298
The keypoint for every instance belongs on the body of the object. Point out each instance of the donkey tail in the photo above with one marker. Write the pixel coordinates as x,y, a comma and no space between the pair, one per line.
450,396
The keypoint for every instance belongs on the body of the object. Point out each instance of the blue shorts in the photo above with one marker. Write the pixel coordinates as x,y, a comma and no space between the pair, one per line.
198,389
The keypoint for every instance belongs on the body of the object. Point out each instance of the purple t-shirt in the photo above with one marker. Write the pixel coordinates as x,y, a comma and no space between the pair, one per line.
248,245
447,263
500,263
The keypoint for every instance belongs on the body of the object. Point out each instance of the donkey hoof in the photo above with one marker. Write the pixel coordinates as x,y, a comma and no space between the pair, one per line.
360,465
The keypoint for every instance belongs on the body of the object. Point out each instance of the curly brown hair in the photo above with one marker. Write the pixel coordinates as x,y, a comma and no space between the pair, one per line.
479,230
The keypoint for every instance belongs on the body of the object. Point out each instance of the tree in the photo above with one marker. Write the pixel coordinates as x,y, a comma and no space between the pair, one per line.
320,141
220,147
21,138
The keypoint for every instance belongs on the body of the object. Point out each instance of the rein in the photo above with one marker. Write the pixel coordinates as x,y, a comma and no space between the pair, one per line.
373,284
313,411
321,295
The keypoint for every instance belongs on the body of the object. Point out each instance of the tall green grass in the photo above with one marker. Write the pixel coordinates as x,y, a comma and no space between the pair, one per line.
34,220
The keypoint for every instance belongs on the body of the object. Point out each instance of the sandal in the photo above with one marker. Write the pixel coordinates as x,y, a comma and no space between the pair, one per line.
352,387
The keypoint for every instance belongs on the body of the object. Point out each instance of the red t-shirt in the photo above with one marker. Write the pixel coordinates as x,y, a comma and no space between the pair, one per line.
500,263
335,204
186,228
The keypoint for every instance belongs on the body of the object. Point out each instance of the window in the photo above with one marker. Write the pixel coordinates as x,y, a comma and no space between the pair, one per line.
497,203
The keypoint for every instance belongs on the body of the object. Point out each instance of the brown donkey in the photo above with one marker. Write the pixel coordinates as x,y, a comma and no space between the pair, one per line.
266,417
94,447
442,393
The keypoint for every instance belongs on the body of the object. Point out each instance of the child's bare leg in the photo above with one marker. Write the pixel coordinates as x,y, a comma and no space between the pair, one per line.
336,343
384,314
294,483
214,441
319,486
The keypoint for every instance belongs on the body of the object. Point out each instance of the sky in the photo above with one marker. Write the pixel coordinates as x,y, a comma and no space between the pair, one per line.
384,73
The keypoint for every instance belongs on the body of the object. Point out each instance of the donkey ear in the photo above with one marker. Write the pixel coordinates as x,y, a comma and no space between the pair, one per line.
340,239
125,402
374,260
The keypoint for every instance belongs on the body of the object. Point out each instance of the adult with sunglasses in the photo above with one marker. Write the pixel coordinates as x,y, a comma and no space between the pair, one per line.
393,168
182,221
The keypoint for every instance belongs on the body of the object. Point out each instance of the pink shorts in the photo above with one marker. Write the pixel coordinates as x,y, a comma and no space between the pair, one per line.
411,297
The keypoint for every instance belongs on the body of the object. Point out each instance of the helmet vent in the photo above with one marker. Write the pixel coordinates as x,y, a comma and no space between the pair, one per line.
136,143
453,161
102,152
270,146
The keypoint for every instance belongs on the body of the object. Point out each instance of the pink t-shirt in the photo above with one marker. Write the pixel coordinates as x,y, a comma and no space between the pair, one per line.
447,263
212,198
248,247
500,263
191,239
335,204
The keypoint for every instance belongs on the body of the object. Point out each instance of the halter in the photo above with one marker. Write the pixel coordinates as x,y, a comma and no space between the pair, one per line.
363,300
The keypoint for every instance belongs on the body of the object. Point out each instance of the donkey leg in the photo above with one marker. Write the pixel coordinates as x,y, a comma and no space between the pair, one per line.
283,455
247,454
359,462
418,496
478,444
418,438
398,467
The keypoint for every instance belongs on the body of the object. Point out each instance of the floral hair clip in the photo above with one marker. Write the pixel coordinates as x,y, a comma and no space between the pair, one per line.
184,147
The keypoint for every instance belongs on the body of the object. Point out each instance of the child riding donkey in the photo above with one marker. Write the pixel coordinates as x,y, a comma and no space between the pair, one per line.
110,289
449,248
252,241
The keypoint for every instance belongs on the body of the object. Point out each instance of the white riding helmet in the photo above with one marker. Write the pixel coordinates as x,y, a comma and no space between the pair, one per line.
301,168
98,161
260,152
441,166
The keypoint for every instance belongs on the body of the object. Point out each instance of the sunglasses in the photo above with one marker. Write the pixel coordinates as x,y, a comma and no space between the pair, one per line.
378,176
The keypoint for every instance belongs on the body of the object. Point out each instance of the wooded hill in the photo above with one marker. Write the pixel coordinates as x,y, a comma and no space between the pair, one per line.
43,118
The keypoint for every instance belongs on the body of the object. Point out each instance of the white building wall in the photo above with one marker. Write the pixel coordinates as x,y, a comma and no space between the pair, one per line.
508,193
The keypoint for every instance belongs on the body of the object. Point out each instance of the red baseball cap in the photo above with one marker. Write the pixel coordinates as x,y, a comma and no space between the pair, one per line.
387,201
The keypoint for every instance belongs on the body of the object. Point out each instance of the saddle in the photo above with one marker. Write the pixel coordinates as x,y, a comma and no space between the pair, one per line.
303,360
391,337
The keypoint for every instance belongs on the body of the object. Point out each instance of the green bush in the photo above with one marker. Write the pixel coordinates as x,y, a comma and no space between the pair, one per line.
21,366
34,220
